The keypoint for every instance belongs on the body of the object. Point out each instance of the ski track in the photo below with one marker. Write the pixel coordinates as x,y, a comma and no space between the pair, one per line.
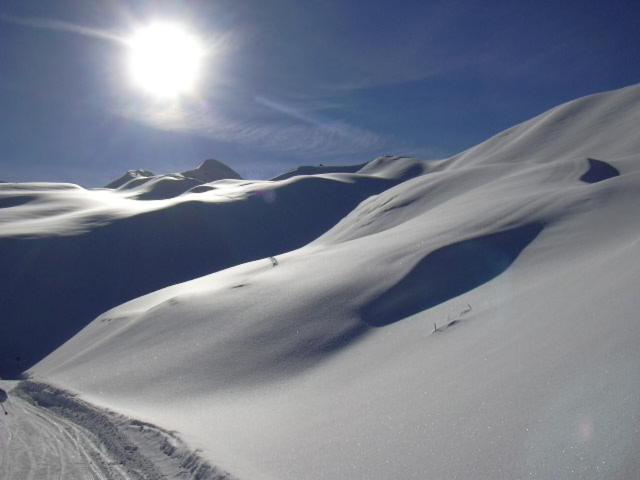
51,435
37,444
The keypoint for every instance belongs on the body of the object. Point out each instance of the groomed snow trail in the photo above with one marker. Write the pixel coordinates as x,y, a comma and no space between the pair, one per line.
34,443
49,434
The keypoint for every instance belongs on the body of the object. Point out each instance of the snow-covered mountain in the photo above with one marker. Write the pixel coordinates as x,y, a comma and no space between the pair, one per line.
73,253
477,319
144,185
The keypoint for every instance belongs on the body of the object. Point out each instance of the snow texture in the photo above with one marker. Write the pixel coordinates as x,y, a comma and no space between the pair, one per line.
72,253
472,317
51,434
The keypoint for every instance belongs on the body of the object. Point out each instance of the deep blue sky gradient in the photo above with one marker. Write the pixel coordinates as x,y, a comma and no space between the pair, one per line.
296,82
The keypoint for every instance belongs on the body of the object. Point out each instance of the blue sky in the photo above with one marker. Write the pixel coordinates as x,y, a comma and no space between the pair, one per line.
293,82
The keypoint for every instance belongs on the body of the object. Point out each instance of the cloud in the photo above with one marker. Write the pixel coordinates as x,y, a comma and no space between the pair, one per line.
61,26
290,131
264,123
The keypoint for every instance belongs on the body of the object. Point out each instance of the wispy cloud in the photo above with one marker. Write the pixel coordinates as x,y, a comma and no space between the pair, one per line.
281,127
61,26
293,126
293,131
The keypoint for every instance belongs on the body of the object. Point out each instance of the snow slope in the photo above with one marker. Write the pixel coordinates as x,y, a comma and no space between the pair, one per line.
73,253
478,321
144,185
49,434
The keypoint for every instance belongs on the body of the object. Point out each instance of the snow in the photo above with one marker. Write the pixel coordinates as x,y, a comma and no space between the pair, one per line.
314,170
127,177
328,364
144,185
121,247
211,170
51,434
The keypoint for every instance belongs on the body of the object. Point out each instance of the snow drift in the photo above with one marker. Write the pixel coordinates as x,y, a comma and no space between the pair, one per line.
523,254
71,253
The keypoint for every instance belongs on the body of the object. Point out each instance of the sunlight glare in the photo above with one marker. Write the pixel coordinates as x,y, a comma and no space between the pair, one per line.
165,59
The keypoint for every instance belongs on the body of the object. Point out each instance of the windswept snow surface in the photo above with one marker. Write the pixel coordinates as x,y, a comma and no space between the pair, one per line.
68,254
144,185
49,434
477,321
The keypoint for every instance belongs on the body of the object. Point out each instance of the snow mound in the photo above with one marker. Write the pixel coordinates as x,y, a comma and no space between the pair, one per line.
394,166
315,170
588,127
333,350
102,248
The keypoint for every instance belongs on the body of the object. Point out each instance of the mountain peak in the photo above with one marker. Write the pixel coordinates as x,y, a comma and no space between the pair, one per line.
130,175
211,170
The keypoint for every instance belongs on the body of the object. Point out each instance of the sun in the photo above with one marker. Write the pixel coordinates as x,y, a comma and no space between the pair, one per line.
165,59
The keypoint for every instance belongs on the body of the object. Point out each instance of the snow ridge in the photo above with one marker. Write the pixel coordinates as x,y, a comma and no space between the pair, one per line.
335,360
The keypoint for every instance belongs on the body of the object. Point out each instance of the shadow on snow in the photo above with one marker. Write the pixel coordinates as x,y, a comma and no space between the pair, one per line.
448,272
